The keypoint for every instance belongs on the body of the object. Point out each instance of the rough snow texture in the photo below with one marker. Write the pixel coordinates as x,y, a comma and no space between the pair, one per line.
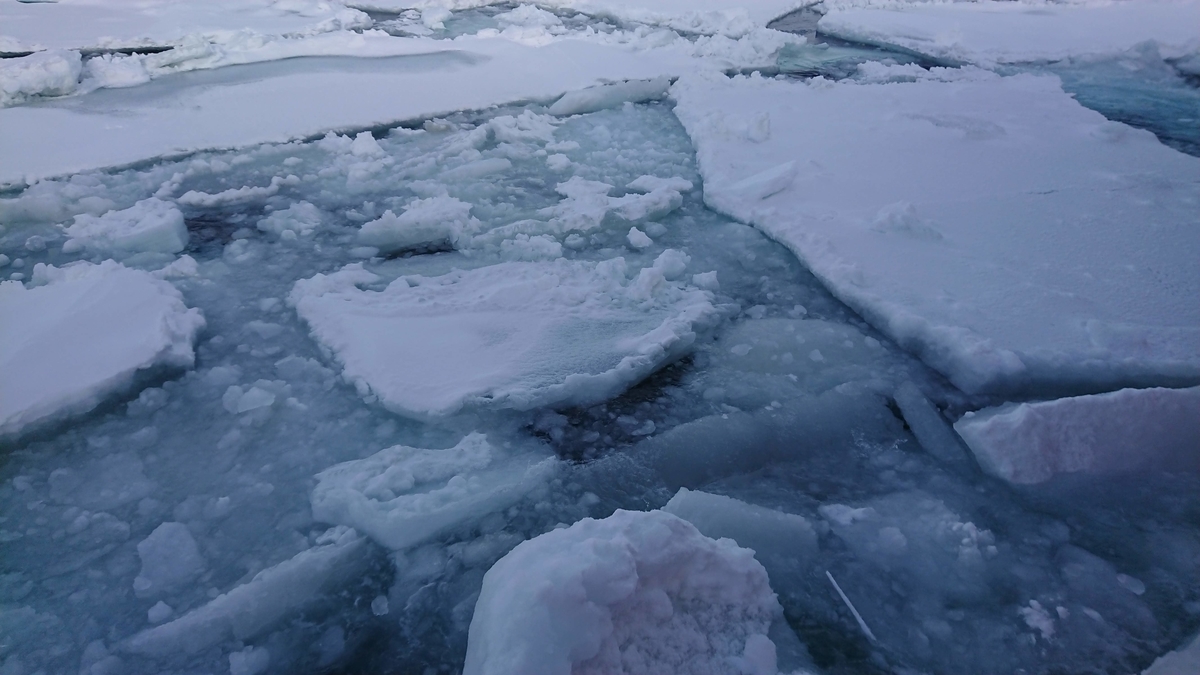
257,605
637,592
52,73
149,226
1010,237
1100,434
403,496
517,335
989,33
82,332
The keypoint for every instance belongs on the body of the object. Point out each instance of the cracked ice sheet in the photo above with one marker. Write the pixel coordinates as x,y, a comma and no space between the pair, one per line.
512,335
279,101
1010,237
80,333
76,24
988,33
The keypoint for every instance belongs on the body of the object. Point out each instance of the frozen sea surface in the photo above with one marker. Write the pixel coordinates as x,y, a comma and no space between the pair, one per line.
266,510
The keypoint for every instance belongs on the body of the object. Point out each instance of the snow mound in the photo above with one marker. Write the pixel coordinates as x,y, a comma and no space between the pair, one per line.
1100,434
149,226
991,225
636,592
403,496
49,73
990,33
516,335
82,332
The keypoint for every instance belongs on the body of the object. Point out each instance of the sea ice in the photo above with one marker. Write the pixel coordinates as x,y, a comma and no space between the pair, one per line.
149,226
403,496
424,222
640,592
170,559
50,73
1003,237
82,332
1120,431
988,33
516,335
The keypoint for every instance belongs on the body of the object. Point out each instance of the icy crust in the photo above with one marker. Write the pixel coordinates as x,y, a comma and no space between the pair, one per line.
513,335
991,33
80,333
403,496
1003,237
637,592
1120,431
149,226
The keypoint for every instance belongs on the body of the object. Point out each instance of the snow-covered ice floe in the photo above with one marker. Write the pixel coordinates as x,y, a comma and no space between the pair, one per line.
403,496
82,332
1121,431
989,33
513,335
1010,237
149,226
637,592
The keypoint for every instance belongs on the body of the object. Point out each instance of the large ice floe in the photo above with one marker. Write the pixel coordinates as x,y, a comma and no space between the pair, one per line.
633,593
61,350
990,224
488,379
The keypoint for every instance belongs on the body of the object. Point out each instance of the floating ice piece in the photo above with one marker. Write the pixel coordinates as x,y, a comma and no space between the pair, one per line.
517,335
609,96
49,73
257,605
170,558
151,225
301,218
424,222
1109,433
988,33
932,430
638,239
403,496
1010,254
778,539
652,183
82,333
636,591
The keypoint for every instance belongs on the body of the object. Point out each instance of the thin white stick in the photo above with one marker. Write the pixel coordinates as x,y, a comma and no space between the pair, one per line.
857,617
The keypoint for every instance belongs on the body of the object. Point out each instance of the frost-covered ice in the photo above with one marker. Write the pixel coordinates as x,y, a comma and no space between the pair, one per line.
989,33
517,335
990,224
637,592
1121,431
403,496
61,351
149,226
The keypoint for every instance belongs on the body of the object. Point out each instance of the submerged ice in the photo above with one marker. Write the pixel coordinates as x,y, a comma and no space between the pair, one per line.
495,390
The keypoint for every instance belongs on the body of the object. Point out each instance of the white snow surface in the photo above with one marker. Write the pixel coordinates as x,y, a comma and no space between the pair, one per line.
990,33
512,335
403,496
149,226
275,102
637,592
52,73
992,225
80,333
1115,432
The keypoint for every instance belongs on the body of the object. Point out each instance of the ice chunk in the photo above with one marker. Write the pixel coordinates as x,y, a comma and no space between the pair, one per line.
249,661
652,183
257,605
1120,431
82,334
517,335
932,430
989,33
635,592
424,222
609,96
1007,254
778,539
403,496
151,225
170,559
301,218
638,239
46,73
1182,661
